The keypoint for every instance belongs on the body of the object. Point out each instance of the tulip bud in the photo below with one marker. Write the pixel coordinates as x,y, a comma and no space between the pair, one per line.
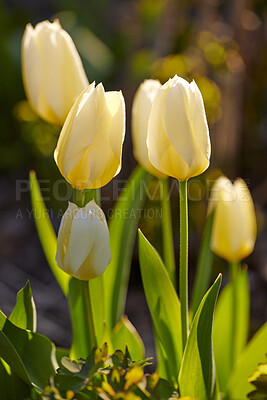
178,134
88,152
83,245
234,226
52,71
140,113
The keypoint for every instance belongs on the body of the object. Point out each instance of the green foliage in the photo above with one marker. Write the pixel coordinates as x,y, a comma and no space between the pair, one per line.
204,266
124,333
30,355
24,312
122,229
229,345
104,376
253,353
163,304
259,380
46,233
197,374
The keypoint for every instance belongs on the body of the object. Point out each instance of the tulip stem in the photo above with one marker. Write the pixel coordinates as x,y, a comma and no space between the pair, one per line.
88,315
168,250
183,281
234,270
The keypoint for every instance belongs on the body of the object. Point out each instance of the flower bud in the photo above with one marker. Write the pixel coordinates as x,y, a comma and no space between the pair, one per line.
83,245
178,134
234,227
52,71
88,152
140,113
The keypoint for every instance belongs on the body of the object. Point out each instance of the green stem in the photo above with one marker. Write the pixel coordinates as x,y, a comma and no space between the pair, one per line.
81,198
183,281
168,250
88,315
234,270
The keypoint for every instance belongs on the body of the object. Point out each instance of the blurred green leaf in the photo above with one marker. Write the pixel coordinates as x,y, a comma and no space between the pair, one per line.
122,229
46,233
251,356
30,355
204,266
24,312
197,374
124,333
228,346
163,304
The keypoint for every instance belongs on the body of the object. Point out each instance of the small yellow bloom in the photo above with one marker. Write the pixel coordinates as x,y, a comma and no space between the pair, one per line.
234,227
83,245
140,114
52,71
178,134
88,152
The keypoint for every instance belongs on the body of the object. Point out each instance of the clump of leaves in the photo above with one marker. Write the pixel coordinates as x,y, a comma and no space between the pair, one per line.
259,380
104,376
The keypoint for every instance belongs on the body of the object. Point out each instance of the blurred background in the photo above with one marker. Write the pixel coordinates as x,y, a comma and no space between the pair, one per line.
222,44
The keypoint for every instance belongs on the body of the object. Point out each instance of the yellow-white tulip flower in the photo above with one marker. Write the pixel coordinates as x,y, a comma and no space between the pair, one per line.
178,134
140,114
234,226
88,152
83,245
52,71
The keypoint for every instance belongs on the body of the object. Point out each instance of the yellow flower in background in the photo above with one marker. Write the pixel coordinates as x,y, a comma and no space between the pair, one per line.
140,114
52,71
234,227
178,134
83,245
88,152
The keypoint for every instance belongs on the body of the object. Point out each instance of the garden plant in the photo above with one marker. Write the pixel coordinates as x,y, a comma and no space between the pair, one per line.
202,346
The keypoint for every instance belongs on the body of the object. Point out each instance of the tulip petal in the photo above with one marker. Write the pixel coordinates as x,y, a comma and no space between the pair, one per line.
176,121
88,251
199,120
63,235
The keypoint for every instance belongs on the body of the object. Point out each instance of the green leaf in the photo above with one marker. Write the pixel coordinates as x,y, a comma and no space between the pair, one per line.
30,355
204,266
46,233
197,374
122,229
228,346
11,386
163,304
24,312
251,356
61,352
124,333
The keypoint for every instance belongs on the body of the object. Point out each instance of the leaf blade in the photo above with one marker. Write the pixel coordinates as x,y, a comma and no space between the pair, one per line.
164,310
197,374
46,233
24,312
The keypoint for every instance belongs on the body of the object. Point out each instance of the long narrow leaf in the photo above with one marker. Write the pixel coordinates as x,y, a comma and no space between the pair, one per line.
197,374
46,233
228,346
204,265
163,304
253,354
122,228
